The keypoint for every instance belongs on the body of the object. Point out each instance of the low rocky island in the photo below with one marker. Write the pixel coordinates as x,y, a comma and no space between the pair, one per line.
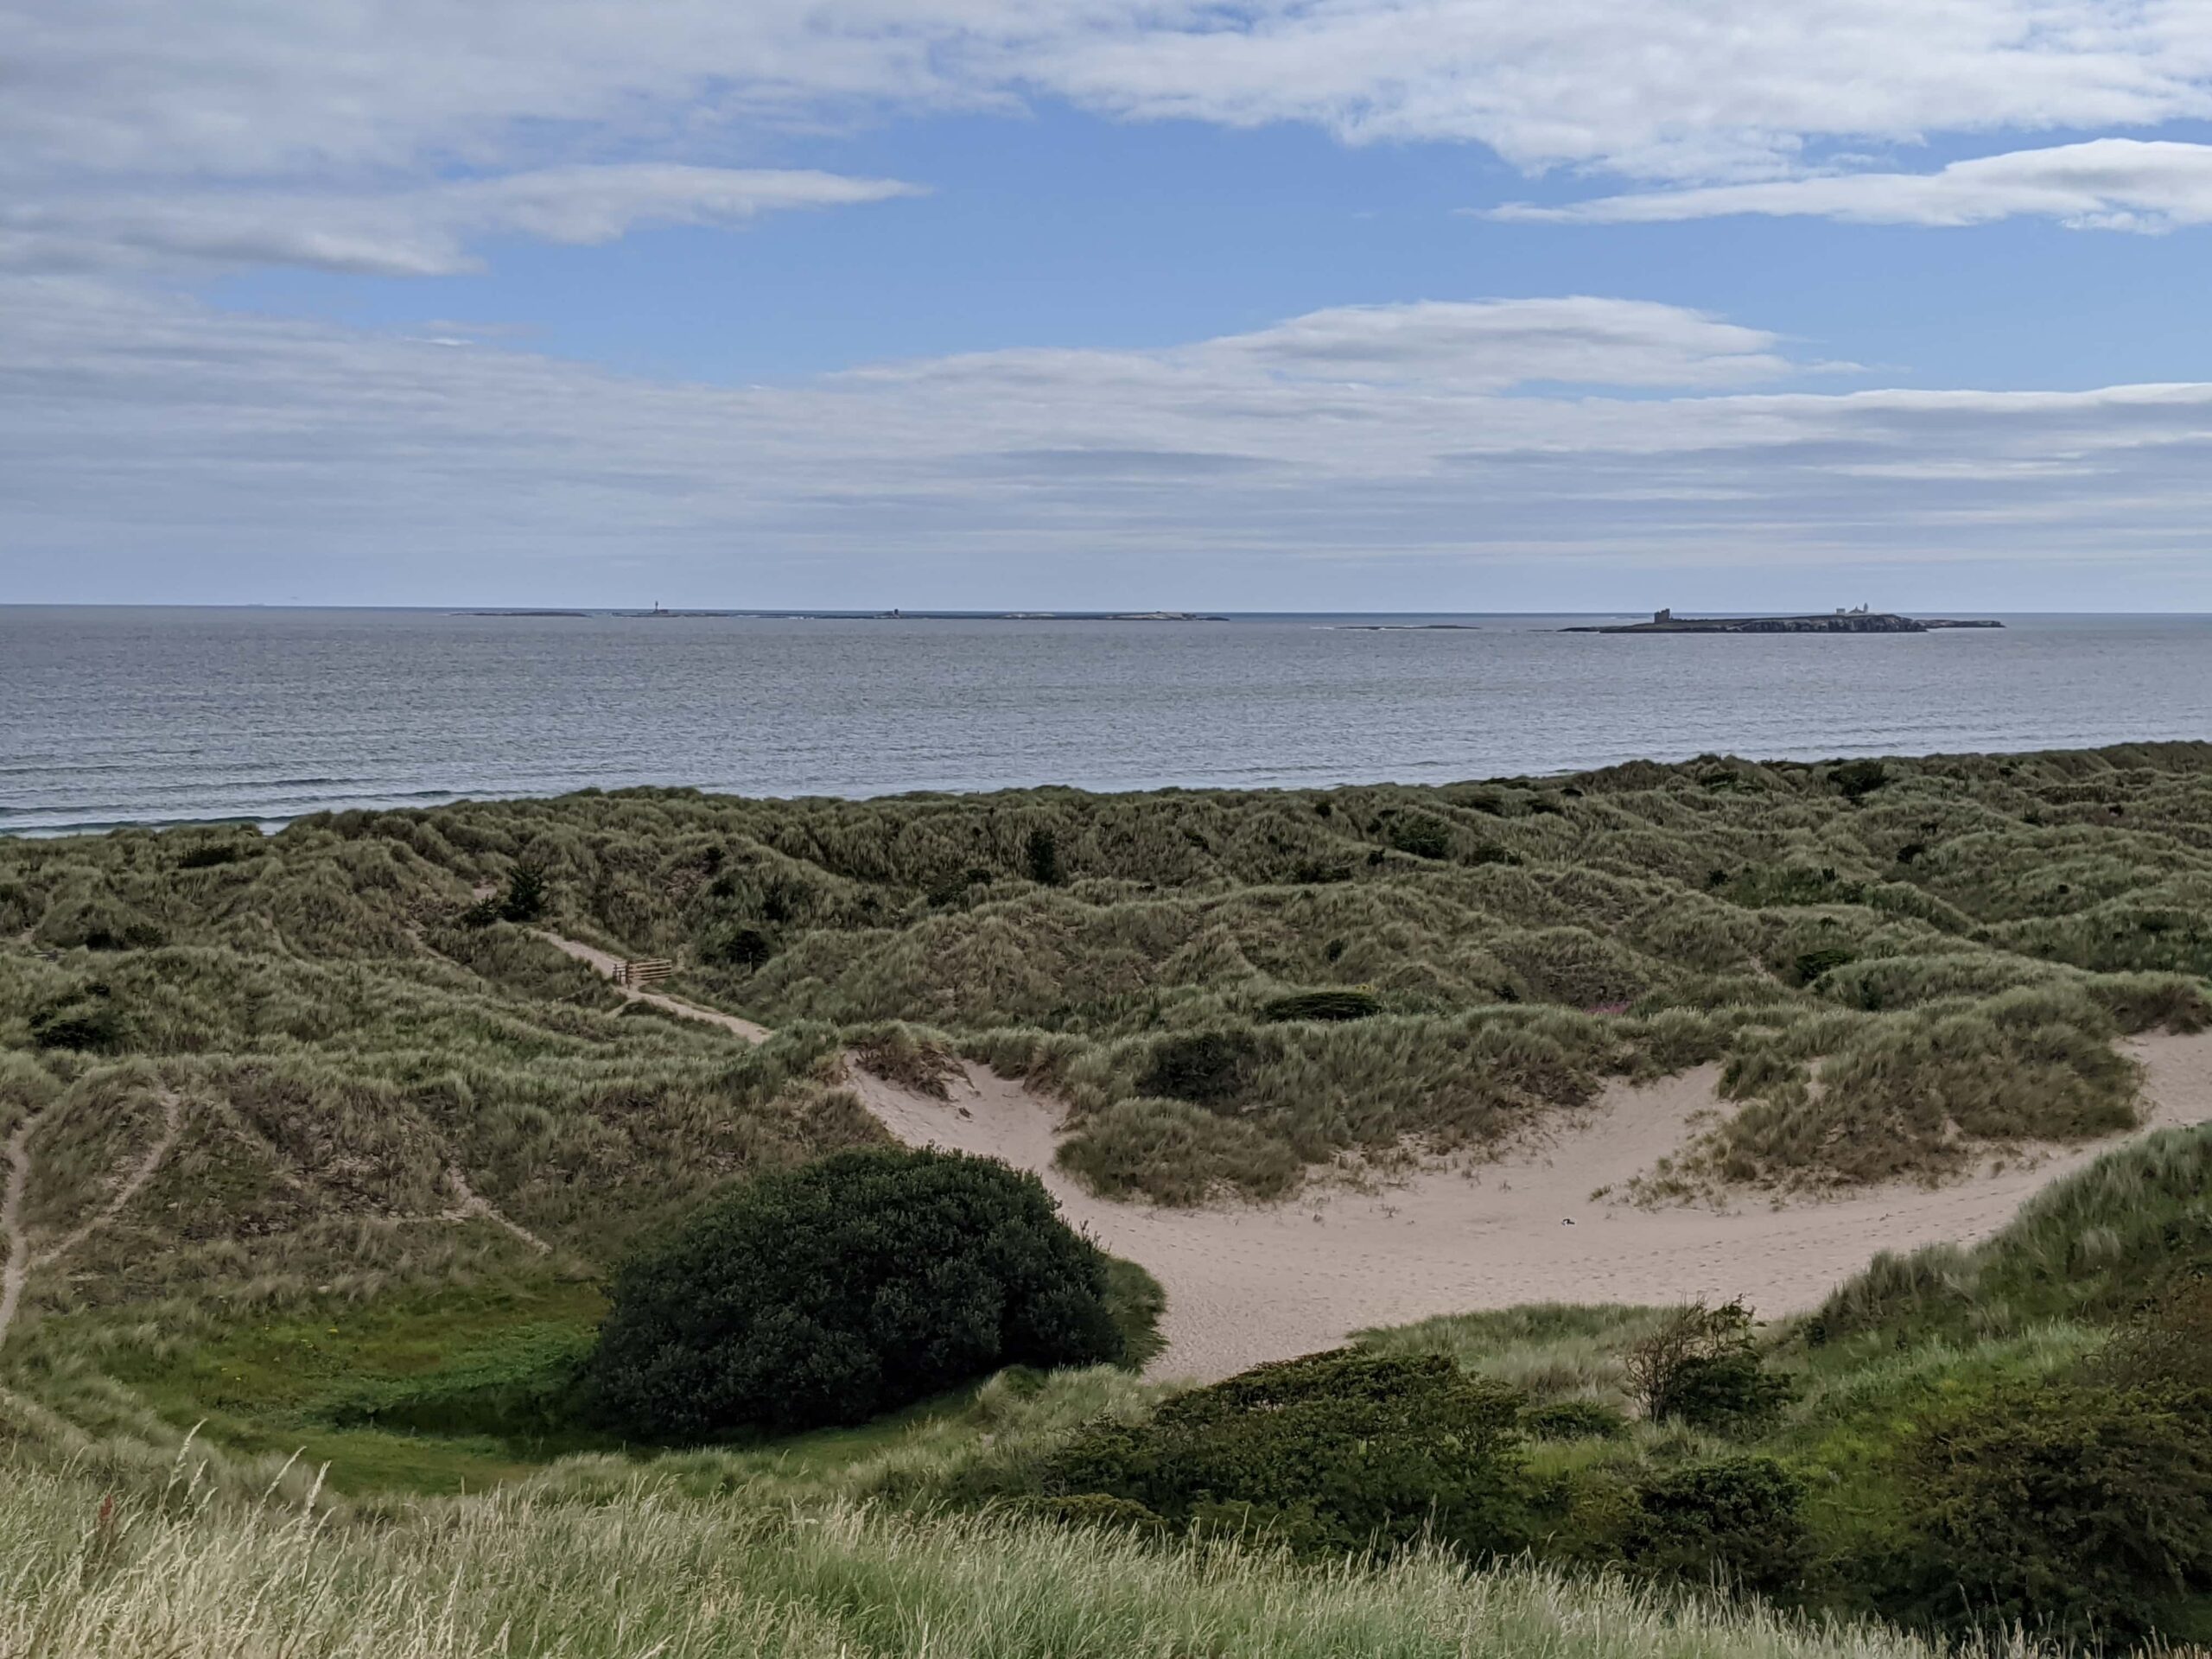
1861,620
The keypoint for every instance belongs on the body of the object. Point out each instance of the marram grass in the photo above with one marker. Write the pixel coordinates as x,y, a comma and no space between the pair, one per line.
647,1573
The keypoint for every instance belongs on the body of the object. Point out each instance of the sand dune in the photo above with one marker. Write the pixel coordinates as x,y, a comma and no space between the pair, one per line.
1247,1284
1250,1283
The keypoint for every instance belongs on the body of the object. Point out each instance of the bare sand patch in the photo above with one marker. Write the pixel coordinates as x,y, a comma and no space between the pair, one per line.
1246,1283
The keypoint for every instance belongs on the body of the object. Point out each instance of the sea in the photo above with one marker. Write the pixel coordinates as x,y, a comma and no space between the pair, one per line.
116,715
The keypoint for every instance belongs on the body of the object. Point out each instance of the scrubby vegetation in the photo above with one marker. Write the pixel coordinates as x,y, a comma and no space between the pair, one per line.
2041,1458
834,1293
1865,948
395,1143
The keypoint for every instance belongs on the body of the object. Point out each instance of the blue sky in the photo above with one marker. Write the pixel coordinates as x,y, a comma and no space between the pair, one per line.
1309,304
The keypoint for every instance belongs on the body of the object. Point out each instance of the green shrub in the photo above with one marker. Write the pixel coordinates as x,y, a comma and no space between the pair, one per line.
1702,1367
1041,856
1422,838
2080,1508
1735,1519
736,947
1813,964
840,1290
1205,1066
1321,1005
1856,779
89,1021
1345,1450
1573,1420
525,898
208,854
522,901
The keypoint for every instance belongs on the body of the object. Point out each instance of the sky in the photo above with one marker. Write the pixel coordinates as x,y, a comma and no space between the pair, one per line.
1449,305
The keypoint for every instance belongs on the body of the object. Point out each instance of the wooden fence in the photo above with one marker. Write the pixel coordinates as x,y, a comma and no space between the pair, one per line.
645,971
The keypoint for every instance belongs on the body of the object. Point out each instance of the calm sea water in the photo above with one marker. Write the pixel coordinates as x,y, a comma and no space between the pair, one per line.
119,715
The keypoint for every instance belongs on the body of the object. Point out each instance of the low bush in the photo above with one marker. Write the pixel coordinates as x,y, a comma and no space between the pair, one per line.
90,1020
208,854
1702,1368
1856,779
1321,1005
1735,1519
1040,855
1340,1452
1813,964
736,947
1573,1420
1422,838
2075,1508
1202,1067
842,1289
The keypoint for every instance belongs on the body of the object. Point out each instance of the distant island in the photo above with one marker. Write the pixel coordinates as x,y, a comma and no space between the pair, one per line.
1860,620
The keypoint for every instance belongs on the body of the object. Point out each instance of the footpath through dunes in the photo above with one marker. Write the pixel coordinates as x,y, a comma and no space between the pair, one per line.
1250,1283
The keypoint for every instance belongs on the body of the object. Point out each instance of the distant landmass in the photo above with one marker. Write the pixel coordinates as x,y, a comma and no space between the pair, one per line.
1861,620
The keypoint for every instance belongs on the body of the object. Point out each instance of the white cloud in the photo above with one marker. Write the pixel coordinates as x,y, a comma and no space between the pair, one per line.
254,89
410,233
1463,345
2107,184
157,449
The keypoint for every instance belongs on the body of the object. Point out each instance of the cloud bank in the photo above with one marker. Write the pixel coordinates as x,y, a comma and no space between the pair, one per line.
150,438
2107,184
382,136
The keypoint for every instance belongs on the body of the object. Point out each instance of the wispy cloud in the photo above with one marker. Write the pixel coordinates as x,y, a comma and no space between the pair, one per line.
147,438
428,231
2122,184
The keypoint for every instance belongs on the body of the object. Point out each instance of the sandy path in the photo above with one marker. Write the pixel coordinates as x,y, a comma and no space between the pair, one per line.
1249,1284
20,1258
470,1207
609,965
17,1267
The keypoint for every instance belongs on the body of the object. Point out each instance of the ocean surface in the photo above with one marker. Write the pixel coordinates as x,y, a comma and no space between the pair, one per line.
121,715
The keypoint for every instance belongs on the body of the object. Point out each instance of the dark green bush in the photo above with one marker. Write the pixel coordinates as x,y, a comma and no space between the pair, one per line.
208,854
1203,1067
2080,1508
89,1021
522,901
1701,1366
525,898
1734,1519
736,947
1422,838
1338,1451
1813,964
1857,779
1041,856
1321,1005
845,1288
1731,1393
1573,1420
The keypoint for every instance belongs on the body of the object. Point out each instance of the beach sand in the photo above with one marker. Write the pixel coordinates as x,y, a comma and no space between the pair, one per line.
1250,1283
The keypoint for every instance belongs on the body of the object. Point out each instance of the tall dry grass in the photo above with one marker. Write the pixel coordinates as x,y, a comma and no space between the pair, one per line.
89,1572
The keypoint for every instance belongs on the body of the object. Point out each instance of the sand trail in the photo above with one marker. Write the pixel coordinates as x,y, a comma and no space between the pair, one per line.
610,965
20,1259
1247,1284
